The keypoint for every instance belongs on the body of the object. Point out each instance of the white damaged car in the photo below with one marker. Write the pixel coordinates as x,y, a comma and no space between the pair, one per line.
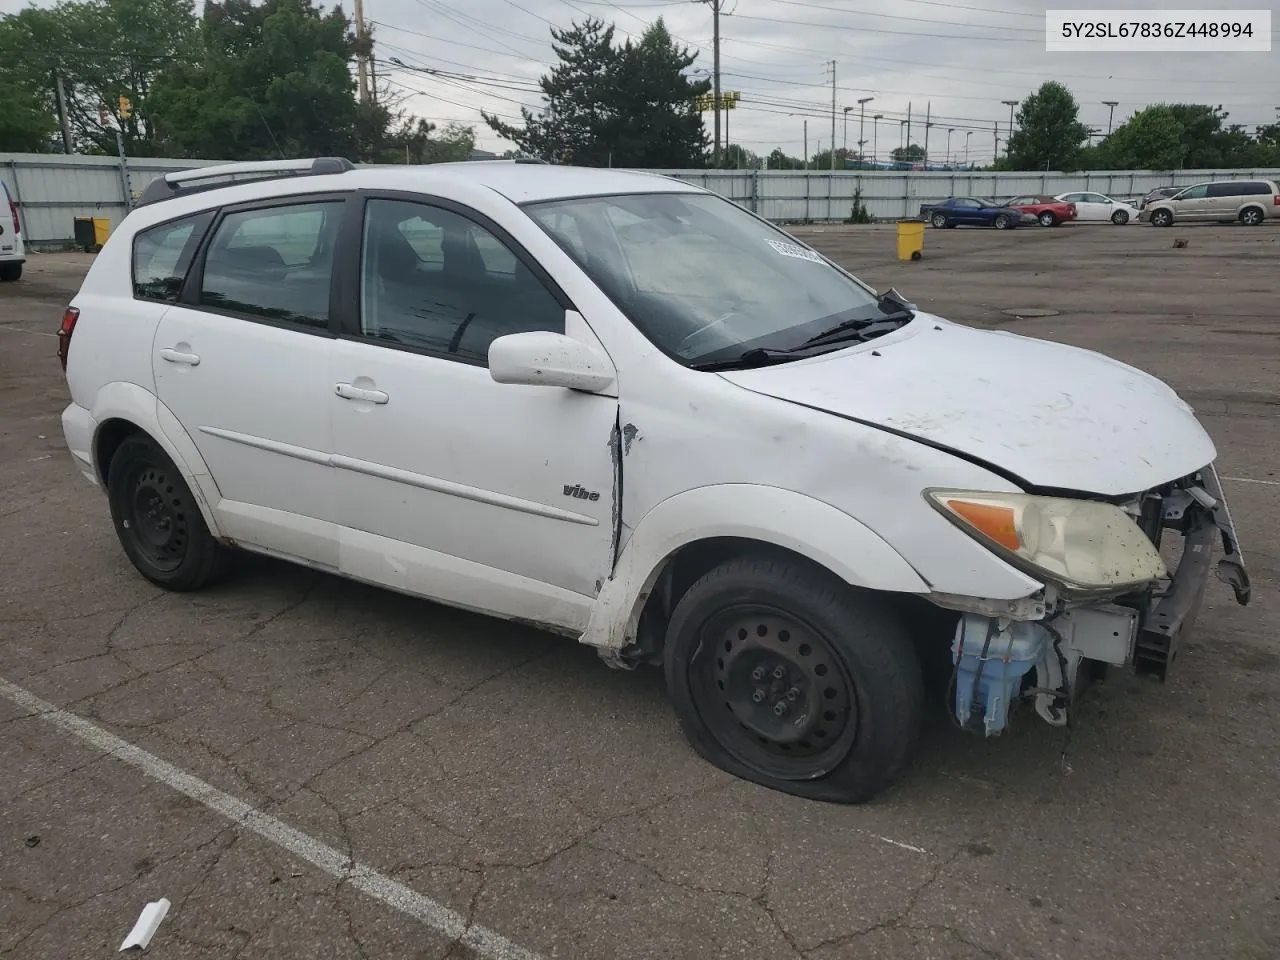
621,408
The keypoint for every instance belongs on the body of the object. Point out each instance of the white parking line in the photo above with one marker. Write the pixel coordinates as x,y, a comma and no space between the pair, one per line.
1269,483
481,940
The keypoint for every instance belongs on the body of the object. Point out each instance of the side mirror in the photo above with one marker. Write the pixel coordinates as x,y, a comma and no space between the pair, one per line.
541,358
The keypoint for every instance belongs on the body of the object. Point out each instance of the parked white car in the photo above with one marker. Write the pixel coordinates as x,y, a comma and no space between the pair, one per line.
619,407
13,253
1097,207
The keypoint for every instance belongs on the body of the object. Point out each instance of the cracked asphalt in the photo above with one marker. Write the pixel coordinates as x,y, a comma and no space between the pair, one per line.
512,778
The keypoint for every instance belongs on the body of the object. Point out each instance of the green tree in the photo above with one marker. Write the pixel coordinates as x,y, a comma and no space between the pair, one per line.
1151,139
415,140
270,79
1049,134
912,153
104,49
27,122
777,160
629,105
738,157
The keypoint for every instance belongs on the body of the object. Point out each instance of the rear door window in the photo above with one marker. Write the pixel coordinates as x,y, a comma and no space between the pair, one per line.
162,255
1226,189
274,263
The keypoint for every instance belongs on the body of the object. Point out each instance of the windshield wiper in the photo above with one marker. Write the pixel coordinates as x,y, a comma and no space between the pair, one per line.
755,357
894,311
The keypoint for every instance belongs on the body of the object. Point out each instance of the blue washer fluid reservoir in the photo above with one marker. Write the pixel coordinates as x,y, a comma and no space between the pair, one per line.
990,664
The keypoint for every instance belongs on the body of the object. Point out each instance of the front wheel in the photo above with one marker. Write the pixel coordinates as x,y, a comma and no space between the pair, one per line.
1002,222
939,220
1161,218
1120,218
793,680
158,521
1047,219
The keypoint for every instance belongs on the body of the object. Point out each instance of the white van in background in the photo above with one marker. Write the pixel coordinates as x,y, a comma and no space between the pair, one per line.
12,252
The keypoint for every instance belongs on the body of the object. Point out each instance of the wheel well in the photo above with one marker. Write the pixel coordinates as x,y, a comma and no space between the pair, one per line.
111,434
682,569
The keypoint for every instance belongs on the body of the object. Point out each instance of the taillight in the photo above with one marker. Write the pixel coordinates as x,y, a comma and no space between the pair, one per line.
64,334
13,210
1276,200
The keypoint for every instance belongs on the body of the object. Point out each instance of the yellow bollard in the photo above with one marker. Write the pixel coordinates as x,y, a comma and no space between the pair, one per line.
910,239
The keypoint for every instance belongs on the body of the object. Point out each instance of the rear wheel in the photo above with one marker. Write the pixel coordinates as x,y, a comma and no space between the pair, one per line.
1161,218
939,220
1251,216
1002,222
793,680
1047,219
10,272
157,520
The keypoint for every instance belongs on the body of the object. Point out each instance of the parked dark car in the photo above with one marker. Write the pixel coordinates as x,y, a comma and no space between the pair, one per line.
1159,193
969,211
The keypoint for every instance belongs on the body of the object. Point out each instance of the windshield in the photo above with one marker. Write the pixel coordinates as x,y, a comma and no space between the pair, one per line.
701,277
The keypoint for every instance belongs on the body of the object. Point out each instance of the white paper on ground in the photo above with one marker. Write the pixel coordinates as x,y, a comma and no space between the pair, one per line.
146,926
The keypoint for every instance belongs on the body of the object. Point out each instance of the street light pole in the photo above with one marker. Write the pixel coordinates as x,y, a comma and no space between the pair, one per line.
950,131
846,130
875,137
966,147
862,123
1111,115
1010,104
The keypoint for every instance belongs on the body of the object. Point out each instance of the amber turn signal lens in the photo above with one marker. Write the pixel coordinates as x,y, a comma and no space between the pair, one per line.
997,523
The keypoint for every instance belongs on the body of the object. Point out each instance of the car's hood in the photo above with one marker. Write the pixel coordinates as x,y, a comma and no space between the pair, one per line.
1051,415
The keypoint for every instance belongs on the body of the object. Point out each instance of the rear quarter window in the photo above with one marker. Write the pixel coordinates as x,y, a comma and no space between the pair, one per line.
162,255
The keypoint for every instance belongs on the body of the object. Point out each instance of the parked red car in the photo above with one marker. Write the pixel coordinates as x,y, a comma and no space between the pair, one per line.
1047,210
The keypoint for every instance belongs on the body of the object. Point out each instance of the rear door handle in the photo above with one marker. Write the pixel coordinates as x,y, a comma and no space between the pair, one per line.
349,391
177,356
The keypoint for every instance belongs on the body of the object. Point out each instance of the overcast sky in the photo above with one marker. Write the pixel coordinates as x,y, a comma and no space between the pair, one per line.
955,58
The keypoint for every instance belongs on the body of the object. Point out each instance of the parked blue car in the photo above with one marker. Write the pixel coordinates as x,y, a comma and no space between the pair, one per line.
968,211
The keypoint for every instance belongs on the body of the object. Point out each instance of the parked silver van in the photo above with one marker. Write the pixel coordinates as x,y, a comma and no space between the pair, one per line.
1249,201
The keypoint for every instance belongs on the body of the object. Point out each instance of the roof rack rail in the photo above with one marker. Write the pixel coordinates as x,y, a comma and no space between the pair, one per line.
226,174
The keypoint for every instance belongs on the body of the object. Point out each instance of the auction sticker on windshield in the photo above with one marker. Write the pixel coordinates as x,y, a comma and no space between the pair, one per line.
1157,31
794,250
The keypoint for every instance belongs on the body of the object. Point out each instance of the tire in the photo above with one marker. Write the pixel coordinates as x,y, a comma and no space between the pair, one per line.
10,272
1047,219
1252,216
1120,218
1002,222
158,522
1161,218
939,220
759,627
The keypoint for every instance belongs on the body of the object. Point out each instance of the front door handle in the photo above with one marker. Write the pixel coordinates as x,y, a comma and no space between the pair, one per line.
177,356
349,391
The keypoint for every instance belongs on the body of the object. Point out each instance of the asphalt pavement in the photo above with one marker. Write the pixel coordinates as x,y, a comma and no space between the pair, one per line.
308,767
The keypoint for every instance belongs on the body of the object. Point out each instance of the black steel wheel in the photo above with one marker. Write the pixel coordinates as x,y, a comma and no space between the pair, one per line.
783,675
157,520
789,705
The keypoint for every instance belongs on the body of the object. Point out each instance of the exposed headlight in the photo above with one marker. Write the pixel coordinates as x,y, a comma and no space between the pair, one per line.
1081,545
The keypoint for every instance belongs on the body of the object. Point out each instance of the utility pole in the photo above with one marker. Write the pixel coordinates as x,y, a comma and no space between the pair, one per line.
62,112
362,60
996,133
966,147
908,124
862,124
928,110
806,144
846,130
875,137
1010,104
833,115
1111,116
715,72
950,131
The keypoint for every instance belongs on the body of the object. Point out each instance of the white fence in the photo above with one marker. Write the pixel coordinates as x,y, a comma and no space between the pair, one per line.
53,189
